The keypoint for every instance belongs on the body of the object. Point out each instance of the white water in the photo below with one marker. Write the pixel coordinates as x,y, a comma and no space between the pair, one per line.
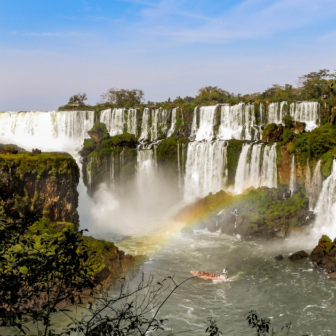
256,167
144,135
114,120
206,169
159,123
172,124
276,111
292,181
238,122
207,121
326,206
315,186
50,130
307,112
145,168
194,127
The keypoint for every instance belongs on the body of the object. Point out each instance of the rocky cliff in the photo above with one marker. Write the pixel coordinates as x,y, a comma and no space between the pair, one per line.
45,182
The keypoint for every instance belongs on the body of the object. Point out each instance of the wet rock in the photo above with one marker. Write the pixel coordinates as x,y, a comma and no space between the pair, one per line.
187,230
211,225
331,275
280,233
279,257
298,255
272,133
299,127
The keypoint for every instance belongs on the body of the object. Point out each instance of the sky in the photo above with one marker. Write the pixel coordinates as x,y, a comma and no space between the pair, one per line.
50,50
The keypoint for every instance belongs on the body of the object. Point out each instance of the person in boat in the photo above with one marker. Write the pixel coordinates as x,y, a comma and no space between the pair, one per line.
225,273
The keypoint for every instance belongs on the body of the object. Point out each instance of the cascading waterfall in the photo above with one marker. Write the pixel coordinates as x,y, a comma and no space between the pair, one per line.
325,209
256,167
112,167
261,113
46,130
276,111
173,123
315,186
131,121
307,112
292,181
145,168
89,172
238,122
114,120
206,169
179,165
308,178
194,125
207,120
144,135
159,123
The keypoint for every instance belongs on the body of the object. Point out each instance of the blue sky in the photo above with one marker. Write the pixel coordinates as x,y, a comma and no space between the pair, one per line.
52,49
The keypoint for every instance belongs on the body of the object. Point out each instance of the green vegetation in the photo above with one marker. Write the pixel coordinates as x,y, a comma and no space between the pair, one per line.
288,121
39,164
98,132
233,151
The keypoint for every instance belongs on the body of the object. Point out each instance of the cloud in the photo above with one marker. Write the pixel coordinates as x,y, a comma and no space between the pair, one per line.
251,19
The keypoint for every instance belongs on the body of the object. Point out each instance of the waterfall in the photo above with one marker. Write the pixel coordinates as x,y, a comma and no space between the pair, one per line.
159,123
325,209
308,179
292,182
315,186
307,112
131,122
144,135
256,167
206,169
261,113
238,122
114,120
179,165
276,111
46,130
112,167
194,126
173,123
89,172
207,120
145,168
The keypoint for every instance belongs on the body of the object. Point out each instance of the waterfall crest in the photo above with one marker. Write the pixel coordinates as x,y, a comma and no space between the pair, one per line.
207,121
45,129
307,112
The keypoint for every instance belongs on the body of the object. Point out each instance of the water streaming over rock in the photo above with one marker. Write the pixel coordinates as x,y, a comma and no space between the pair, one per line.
45,129
173,123
238,122
256,167
326,206
206,169
292,181
307,112
146,168
206,123
144,135
276,111
315,186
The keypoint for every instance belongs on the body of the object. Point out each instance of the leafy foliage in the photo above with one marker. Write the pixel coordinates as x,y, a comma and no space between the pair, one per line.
261,325
123,98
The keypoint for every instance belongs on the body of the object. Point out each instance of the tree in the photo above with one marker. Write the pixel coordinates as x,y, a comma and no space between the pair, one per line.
211,95
288,121
98,132
36,276
123,98
315,84
78,98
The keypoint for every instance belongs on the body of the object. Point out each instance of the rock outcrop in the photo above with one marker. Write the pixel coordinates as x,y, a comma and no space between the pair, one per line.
324,254
45,182
299,127
272,133
298,255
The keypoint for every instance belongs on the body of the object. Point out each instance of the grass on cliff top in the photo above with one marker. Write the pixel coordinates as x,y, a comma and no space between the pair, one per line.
260,206
52,163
